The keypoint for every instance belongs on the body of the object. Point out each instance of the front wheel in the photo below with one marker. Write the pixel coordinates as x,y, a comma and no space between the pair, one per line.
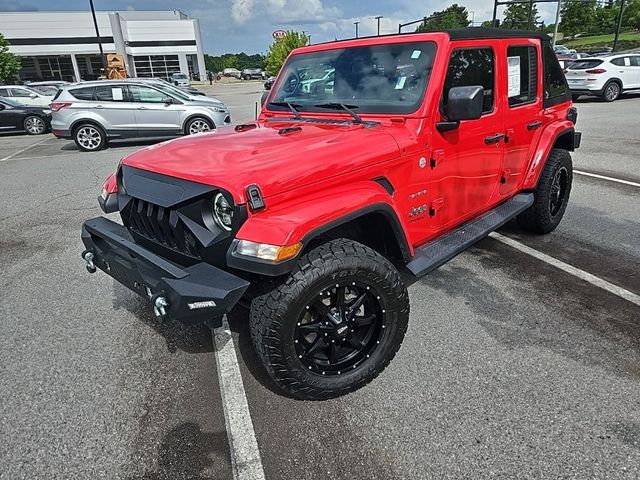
34,125
198,125
551,194
334,324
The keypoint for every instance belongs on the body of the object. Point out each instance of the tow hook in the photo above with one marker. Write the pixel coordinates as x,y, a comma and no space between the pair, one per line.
160,305
88,259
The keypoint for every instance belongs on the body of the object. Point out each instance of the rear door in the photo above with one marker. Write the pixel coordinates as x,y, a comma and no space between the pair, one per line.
467,160
523,119
10,118
110,103
153,115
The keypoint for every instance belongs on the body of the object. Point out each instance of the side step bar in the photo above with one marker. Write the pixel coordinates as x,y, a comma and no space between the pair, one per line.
432,255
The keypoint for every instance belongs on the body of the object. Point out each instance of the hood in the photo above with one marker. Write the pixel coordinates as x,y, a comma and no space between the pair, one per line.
277,156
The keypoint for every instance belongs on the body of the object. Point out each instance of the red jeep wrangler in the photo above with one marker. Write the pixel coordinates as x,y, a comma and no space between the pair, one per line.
369,156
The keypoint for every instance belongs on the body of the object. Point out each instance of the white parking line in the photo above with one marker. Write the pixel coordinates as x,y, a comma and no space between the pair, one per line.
576,272
603,177
245,456
9,157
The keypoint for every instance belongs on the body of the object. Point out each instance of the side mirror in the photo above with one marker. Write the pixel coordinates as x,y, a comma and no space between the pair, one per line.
464,103
33,95
264,96
168,100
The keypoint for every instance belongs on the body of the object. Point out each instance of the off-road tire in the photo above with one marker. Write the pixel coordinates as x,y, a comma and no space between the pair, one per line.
88,145
541,217
274,315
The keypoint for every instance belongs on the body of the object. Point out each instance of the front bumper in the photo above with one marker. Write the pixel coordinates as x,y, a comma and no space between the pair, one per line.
192,294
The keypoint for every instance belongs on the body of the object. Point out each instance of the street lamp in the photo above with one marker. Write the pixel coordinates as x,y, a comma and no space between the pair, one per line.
378,19
356,24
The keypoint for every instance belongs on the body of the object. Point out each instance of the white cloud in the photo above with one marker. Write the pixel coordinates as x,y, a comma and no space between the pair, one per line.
241,10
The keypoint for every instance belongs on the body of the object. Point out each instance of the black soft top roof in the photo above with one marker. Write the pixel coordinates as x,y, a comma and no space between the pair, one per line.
471,33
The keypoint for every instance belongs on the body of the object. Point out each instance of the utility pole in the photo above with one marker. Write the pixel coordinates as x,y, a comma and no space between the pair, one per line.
356,24
95,24
555,27
378,19
529,14
615,40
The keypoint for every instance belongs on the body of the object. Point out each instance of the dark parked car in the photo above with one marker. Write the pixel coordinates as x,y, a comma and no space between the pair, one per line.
15,117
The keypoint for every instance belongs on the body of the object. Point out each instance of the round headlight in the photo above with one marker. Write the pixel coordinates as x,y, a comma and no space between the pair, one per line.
222,212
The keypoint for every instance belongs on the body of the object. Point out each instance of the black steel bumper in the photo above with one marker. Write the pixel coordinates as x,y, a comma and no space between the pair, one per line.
192,294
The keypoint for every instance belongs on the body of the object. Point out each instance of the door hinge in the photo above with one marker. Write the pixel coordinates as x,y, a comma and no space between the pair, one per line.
436,158
435,206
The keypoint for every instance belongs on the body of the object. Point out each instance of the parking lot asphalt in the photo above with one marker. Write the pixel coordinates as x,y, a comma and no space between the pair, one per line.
511,367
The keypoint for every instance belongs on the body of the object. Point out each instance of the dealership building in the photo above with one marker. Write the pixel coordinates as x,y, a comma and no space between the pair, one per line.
64,45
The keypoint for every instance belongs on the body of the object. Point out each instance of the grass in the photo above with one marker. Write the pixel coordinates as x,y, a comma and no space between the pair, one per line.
600,40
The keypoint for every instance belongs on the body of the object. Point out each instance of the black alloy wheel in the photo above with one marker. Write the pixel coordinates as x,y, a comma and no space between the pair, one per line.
558,191
340,328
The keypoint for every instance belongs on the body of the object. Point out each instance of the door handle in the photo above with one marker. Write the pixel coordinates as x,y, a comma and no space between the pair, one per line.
142,108
98,106
493,138
534,125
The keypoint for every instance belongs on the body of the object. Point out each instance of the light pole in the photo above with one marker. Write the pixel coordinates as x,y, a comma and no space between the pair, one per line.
618,25
95,24
555,27
378,19
356,24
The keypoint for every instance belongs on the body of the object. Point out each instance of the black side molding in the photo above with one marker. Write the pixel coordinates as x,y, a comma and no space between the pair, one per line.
436,253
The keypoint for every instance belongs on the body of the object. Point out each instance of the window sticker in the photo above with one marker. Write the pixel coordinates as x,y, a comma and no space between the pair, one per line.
416,54
514,76
116,93
400,82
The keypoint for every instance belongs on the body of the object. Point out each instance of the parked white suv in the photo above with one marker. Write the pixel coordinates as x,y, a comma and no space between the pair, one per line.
606,77
25,95
180,79
92,113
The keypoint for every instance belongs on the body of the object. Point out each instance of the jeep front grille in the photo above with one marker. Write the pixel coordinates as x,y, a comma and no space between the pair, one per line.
161,225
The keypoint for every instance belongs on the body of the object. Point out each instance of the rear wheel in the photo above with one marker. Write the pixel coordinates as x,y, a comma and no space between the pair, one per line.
198,125
34,125
334,324
551,194
611,91
90,137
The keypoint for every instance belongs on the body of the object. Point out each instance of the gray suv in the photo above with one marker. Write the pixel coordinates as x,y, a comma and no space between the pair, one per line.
92,113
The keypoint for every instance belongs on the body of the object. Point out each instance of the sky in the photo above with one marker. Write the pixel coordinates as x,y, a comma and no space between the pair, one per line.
233,26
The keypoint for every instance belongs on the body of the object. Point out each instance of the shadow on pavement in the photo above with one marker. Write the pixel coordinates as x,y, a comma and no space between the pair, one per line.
188,453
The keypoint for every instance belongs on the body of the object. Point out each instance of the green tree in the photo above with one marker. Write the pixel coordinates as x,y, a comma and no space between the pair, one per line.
577,17
9,63
454,16
604,20
281,48
516,16
631,16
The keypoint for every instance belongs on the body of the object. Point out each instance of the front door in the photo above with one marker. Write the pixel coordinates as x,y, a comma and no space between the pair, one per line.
466,161
153,115
635,68
523,104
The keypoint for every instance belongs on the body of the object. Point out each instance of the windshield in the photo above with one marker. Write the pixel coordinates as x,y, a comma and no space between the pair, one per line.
45,89
388,78
170,89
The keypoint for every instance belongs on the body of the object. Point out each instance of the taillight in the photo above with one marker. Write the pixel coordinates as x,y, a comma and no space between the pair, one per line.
55,106
596,70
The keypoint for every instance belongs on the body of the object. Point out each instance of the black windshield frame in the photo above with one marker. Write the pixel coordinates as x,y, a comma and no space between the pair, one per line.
385,78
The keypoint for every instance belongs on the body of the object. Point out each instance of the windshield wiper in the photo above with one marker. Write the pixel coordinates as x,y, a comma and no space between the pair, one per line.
290,106
342,106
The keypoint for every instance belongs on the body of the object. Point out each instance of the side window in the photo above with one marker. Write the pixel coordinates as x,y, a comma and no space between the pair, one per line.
4,92
554,83
522,75
109,93
85,93
635,61
618,61
469,67
144,94
18,92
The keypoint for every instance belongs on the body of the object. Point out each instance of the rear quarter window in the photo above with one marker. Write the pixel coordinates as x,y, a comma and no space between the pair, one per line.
555,85
584,64
85,93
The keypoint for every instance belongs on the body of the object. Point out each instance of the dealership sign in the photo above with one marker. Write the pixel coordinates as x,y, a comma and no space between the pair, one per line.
279,34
